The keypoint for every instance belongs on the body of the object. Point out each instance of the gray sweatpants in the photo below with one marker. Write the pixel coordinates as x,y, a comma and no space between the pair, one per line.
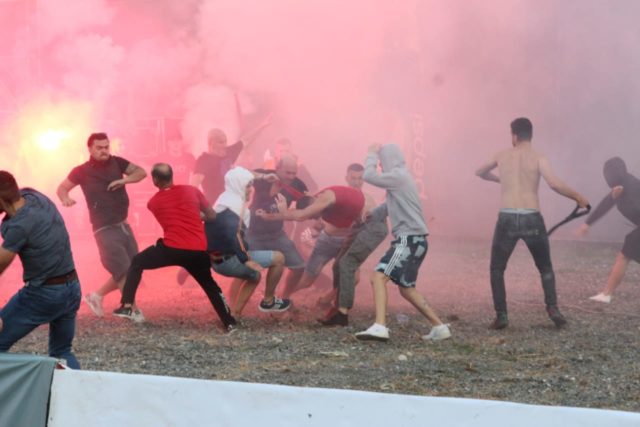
355,250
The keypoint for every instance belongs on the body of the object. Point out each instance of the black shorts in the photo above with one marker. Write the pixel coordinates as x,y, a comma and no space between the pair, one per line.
631,246
117,247
403,259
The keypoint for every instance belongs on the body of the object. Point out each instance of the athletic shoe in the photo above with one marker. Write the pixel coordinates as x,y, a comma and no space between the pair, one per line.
335,318
137,316
376,332
278,305
182,276
125,312
556,316
601,298
94,301
501,322
440,332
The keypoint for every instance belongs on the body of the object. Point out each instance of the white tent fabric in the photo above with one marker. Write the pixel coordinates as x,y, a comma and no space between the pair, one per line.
81,398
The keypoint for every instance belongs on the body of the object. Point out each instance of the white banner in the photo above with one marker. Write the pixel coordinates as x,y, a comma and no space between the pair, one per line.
84,398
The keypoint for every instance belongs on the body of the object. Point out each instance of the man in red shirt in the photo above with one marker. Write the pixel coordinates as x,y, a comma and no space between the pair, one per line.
177,208
339,207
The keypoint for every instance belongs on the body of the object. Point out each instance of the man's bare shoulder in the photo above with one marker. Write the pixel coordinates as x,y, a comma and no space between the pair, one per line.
502,154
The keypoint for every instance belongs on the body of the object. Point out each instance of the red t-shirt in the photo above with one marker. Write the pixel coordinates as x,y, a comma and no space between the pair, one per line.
347,208
177,209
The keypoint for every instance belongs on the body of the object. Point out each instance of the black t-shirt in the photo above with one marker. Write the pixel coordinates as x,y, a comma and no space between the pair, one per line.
93,177
262,199
214,168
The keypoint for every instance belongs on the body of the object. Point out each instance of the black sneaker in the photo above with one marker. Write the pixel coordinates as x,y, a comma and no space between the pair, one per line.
335,318
501,322
556,316
122,311
277,305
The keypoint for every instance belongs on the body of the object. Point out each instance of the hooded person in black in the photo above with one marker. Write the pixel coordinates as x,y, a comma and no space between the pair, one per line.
625,194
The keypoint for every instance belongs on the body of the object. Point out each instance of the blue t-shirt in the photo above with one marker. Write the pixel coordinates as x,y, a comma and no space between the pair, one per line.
38,235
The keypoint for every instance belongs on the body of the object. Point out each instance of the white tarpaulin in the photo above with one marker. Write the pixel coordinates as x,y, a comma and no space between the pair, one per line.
83,398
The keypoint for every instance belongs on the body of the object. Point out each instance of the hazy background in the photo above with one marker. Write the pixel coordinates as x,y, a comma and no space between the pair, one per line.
443,79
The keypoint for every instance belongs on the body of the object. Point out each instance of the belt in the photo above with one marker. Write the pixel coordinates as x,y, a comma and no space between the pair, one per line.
219,259
59,280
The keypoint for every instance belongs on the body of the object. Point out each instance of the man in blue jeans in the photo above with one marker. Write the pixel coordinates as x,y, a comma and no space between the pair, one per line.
33,229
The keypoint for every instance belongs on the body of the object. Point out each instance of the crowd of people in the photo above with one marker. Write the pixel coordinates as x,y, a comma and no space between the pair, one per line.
232,220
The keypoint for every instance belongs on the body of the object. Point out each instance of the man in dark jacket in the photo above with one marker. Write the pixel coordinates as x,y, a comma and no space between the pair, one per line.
625,194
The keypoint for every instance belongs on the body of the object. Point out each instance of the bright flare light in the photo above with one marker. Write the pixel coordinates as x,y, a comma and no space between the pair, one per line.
44,140
51,140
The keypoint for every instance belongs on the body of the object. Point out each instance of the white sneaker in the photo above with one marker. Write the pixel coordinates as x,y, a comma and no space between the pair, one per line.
440,332
137,316
601,298
94,301
376,332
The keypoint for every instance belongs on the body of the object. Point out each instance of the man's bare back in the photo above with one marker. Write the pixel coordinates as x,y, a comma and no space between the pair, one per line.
520,169
519,177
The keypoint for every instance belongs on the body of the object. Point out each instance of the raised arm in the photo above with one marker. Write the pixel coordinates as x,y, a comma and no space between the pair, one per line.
63,192
557,185
248,138
386,180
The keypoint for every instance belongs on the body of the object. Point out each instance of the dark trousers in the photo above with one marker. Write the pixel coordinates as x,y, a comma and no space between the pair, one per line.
354,251
510,228
197,263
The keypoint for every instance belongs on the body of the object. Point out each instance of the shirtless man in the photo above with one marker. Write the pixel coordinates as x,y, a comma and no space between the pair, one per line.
339,207
520,168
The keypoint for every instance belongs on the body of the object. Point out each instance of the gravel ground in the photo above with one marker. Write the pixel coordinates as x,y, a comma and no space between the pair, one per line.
593,362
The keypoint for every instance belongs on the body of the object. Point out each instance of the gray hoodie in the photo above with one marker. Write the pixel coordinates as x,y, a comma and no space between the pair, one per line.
403,203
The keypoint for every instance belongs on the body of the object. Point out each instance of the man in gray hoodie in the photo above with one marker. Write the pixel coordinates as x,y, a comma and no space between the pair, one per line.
408,249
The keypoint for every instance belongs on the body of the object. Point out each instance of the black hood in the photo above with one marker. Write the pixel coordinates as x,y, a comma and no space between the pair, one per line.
614,171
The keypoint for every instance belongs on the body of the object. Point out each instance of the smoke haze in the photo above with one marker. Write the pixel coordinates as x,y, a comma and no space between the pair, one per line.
441,79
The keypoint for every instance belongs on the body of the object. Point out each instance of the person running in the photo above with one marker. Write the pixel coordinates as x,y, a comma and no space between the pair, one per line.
103,180
625,195
520,169
178,209
402,261
230,255
33,229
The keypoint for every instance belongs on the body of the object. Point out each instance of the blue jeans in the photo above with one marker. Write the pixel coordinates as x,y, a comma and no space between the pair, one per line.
33,306
232,267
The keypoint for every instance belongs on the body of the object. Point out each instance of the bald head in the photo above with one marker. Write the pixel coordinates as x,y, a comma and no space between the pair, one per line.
162,175
217,142
287,168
